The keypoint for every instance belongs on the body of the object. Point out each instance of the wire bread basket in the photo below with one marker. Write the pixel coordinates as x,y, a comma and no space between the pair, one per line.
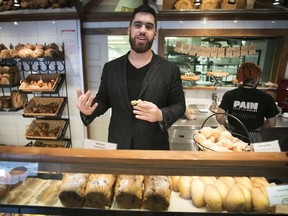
222,139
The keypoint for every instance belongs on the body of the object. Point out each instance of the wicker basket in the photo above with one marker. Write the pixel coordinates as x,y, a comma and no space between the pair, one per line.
46,78
36,101
52,130
240,136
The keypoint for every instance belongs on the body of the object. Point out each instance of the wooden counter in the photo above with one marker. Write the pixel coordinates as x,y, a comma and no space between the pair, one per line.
270,165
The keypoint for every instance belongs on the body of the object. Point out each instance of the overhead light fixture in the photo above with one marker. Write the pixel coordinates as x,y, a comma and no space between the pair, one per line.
197,2
232,2
16,3
276,2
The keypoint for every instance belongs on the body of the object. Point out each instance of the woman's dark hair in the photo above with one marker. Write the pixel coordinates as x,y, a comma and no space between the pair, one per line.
145,8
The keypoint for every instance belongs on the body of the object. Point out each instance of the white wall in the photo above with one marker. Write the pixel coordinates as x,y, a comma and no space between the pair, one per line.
68,32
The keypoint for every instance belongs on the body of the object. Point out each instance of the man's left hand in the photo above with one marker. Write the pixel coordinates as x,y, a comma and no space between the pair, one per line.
148,111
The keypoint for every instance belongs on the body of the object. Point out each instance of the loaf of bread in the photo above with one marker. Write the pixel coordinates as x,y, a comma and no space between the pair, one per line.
157,193
100,190
72,189
128,191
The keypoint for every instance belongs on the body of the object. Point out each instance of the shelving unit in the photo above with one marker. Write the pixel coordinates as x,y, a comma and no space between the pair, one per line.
194,64
46,67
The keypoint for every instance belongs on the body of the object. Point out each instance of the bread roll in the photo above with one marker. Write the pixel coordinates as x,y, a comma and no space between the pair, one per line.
184,5
128,191
174,183
157,193
245,181
260,200
248,206
213,198
228,179
184,187
208,179
235,200
197,192
72,189
260,180
209,4
222,188
100,190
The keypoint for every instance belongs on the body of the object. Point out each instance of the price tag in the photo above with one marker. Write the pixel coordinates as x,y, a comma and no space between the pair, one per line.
93,144
271,146
278,195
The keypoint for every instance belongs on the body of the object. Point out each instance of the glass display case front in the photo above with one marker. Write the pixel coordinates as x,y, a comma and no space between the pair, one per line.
116,182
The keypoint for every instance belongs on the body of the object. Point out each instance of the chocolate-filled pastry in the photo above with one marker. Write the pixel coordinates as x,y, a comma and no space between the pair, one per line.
38,53
40,46
52,46
19,46
2,46
5,54
100,190
30,46
72,189
128,191
14,53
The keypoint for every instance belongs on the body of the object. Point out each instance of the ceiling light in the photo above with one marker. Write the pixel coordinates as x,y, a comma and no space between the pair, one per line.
16,3
276,2
197,2
232,2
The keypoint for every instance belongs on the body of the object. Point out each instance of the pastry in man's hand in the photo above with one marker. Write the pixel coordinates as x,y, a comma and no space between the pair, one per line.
135,102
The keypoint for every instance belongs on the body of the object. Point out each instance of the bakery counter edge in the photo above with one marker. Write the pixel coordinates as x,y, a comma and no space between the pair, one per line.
148,162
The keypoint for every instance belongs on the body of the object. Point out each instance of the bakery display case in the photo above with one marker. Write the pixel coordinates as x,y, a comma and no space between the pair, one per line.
65,181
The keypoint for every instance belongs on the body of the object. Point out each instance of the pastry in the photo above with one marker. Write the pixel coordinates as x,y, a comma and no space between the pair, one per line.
72,189
157,193
135,102
209,4
128,191
99,190
184,5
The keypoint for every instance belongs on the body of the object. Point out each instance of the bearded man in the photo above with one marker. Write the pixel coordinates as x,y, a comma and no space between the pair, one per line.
141,76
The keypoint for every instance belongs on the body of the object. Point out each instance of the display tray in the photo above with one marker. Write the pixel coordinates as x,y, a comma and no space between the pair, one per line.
40,82
39,106
45,129
50,144
43,190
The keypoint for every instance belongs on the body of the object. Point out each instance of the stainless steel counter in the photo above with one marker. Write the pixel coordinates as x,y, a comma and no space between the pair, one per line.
212,122
181,132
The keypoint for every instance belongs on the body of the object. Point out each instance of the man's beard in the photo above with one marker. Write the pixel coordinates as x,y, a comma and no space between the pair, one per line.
140,48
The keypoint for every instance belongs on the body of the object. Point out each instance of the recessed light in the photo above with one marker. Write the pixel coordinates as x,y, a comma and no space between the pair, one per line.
232,1
197,2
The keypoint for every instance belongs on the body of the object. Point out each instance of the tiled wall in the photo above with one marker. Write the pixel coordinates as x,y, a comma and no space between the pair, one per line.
67,32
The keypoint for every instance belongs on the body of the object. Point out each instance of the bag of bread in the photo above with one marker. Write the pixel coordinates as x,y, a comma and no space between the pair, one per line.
17,99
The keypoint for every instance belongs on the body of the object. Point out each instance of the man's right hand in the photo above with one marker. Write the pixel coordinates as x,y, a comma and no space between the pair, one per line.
84,102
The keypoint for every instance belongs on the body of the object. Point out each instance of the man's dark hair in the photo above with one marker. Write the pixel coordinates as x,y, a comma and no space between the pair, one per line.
145,8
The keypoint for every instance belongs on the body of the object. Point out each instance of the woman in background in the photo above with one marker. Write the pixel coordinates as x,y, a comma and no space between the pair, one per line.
253,107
